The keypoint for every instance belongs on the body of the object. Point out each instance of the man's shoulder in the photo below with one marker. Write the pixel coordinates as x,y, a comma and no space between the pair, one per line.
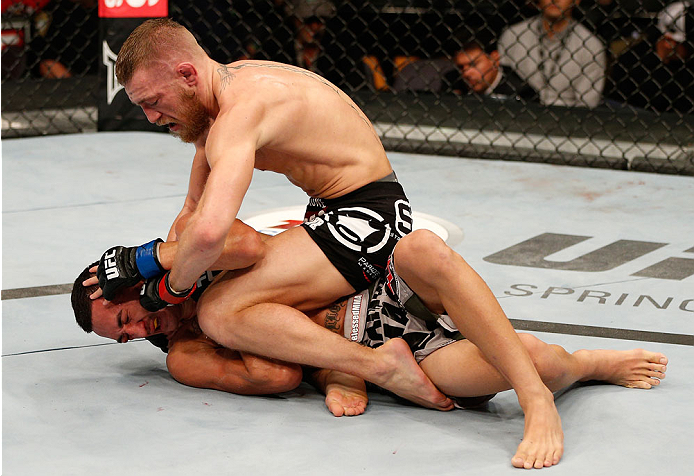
521,26
586,36
518,35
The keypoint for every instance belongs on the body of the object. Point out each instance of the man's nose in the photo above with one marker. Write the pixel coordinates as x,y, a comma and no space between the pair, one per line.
137,329
152,115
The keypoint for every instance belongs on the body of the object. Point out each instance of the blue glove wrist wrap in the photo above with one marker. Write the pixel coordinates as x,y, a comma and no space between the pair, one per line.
146,259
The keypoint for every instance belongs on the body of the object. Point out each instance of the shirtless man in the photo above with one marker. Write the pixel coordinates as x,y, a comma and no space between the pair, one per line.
377,317
269,116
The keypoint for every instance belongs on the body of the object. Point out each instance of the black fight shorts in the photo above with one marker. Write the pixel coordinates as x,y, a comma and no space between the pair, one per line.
358,231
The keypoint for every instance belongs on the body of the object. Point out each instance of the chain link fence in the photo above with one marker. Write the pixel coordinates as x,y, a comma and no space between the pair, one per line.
600,83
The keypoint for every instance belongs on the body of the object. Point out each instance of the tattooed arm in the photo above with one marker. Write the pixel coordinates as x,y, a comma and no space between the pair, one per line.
197,361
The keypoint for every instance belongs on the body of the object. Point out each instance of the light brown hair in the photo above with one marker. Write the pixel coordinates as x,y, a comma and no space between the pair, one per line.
152,41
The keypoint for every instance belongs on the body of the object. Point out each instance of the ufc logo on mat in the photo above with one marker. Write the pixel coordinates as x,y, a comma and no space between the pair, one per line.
533,252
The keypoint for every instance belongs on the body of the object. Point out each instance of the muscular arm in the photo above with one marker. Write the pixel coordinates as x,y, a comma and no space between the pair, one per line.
197,361
243,247
230,151
198,176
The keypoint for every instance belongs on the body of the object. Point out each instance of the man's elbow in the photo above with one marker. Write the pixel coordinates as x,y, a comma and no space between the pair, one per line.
208,236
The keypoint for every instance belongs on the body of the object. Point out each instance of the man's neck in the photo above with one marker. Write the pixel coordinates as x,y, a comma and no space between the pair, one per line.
188,309
210,87
553,26
495,82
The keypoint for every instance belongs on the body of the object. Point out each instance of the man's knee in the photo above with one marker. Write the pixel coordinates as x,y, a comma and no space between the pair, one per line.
422,251
216,319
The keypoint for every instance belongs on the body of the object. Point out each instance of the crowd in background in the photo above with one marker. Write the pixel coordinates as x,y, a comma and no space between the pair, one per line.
578,53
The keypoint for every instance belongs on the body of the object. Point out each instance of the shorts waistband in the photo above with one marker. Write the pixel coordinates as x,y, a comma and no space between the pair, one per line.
391,177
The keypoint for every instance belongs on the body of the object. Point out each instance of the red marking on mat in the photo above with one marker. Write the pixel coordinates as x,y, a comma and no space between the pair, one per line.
205,403
287,224
160,409
590,196
144,384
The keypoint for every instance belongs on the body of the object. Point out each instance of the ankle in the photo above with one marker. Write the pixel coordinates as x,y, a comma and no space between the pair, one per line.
536,400
587,364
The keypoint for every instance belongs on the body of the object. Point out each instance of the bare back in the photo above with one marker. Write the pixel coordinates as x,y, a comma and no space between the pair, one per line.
310,131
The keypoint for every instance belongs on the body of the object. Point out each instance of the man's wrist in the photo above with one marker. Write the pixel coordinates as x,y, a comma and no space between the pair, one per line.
147,259
170,294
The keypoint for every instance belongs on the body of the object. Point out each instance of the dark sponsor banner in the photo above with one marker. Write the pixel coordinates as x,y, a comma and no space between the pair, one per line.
133,8
118,19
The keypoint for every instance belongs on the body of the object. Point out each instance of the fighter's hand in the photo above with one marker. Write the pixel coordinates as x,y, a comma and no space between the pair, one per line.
91,282
156,293
126,266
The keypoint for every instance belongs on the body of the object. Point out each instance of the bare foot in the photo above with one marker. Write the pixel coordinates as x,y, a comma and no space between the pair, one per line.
345,394
543,438
635,368
403,376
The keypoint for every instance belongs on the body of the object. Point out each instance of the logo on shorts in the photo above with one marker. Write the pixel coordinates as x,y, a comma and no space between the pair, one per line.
391,282
356,313
370,271
273,222
355,231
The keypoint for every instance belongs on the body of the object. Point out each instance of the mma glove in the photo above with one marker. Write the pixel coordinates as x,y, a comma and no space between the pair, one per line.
156,293
126,266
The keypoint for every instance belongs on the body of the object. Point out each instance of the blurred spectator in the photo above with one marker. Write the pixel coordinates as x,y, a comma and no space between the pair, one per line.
21,20
69,43
271,30
65,42
473,70
427,75
657,72
557,56
309,20
483,74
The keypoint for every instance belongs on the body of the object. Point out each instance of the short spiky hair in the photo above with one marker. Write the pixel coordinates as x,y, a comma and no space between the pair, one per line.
148,43
81,304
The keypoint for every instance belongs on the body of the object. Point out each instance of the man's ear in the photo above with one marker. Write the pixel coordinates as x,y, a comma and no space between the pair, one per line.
494,55
188,73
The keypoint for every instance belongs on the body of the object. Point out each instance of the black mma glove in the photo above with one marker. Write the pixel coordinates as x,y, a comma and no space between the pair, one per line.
122,267
156,293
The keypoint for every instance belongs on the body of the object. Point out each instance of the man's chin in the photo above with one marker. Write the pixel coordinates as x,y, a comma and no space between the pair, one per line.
183,136
189,136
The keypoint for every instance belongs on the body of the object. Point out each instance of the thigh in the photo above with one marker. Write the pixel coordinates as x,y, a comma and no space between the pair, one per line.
461,370
294,272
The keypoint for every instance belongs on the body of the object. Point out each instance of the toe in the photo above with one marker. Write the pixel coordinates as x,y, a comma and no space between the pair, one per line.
518,461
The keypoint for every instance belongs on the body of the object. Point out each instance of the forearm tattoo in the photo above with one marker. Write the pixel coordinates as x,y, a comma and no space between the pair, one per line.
332,318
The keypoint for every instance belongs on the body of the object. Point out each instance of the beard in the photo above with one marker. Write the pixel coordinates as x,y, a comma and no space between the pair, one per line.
196,118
